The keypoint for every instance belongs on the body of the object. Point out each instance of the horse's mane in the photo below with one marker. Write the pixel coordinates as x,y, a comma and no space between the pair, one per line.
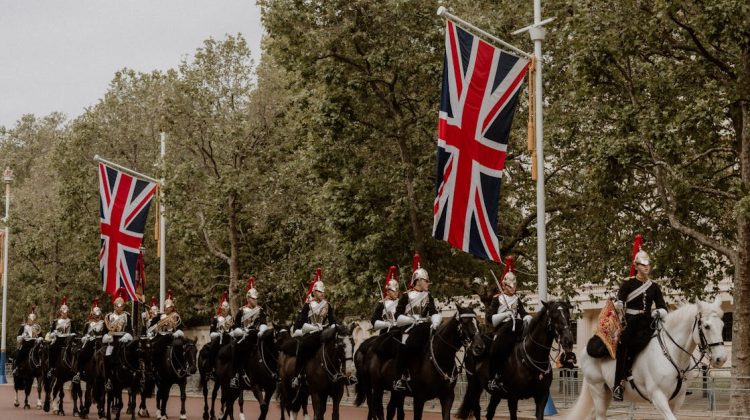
690,310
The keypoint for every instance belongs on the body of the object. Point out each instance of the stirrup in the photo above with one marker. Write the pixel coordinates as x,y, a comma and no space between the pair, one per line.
108,385
617,393
495,384
76,379
400,384
234,383
295,382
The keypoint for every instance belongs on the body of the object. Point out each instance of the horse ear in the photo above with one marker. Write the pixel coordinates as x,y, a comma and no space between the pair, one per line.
545,304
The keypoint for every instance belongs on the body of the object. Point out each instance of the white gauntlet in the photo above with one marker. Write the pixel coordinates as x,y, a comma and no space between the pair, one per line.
436,319
659,313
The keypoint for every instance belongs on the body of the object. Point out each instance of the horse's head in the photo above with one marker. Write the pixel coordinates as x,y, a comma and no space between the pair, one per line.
708,333
190,352
558,322
469,330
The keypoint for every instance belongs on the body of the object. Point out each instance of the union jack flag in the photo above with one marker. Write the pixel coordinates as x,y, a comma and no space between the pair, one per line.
479,97
124,204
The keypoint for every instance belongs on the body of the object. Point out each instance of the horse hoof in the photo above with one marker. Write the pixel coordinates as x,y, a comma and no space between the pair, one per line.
38,405
46,407
183,417
16,404
143,413
61,413
242,416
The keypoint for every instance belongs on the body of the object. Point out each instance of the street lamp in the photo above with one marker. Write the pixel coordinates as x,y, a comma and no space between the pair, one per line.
8,178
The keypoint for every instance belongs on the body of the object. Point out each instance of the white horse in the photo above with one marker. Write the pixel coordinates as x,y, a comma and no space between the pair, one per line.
658,377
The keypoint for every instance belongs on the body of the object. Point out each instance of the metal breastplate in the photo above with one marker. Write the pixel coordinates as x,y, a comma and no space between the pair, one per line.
249,316
389,309
507,304
32,331
417,303
318,312
224,323
62,326
96,327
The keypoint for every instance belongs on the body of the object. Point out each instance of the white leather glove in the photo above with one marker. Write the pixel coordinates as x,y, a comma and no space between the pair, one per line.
178,333
263,328
237,333
126,338
435,319
618,305
381,325
297,333
498,319
106,339
214,335
659,313
308,328
404,320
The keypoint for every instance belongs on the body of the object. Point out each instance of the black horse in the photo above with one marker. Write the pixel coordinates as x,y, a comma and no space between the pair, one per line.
62,367
257,372
174,359
432,376
124,373
291,400
31,363
527,373
207,366
88,372
363,379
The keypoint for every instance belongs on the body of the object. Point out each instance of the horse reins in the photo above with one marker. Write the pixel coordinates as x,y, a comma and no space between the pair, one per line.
457,365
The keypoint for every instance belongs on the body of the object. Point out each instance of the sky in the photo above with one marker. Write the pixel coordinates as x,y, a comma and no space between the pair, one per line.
60,55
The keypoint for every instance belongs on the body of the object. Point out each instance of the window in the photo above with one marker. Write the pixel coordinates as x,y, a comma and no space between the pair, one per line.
726,335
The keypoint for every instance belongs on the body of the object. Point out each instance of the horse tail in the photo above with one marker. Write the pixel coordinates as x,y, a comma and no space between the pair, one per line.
584,405
361,386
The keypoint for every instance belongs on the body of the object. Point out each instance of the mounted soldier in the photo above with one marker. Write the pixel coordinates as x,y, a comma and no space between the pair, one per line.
221,325
636,296
149,316
28,331
119,330
384,316
505,313
61,327
416,312
169,322
93,329
315,315
249,324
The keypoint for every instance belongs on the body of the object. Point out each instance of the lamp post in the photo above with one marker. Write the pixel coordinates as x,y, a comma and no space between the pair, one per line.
8,178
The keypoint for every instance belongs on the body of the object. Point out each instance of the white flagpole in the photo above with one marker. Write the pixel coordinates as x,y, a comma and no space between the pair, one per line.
162,230
7,177
537,33
444,13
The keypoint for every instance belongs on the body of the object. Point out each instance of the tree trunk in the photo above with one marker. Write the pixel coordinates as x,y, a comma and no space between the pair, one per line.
409,175
739,404
234,266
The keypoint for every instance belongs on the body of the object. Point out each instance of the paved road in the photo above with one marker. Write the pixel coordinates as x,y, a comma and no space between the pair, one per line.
194,408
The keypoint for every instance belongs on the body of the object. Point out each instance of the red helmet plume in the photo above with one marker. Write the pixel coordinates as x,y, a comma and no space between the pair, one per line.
508,268
636,248
64,300
224,299
415,262
250,283
316,278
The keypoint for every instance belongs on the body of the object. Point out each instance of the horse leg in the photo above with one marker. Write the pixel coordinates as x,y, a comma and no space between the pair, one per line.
661,402
214,392
39,383
61,394
601,396
183,397
75,394
492,406
204,388
258,393
27,391
270,388
446,403
513,408
418,408
241,404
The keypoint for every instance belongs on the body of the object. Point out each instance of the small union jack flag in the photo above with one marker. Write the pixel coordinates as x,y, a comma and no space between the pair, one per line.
123,209
479,97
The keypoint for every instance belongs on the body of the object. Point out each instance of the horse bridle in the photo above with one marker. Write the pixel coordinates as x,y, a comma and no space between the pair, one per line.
703,346
335,374
536,364
465,342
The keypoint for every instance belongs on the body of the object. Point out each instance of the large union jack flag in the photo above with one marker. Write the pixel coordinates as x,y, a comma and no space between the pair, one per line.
124,204
480,92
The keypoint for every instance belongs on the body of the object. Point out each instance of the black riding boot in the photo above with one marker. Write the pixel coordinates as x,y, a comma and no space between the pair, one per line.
402,365
621,370
500,350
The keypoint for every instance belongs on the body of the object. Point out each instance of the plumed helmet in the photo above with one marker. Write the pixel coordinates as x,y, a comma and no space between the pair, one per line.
120,296
509,277
64,305
391,280
169,301
154,306
95,311
639,255
223,303
417,271
316,284
250,291
32,313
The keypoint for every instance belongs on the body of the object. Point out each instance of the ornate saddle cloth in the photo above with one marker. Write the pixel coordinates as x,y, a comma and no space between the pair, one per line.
607,331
